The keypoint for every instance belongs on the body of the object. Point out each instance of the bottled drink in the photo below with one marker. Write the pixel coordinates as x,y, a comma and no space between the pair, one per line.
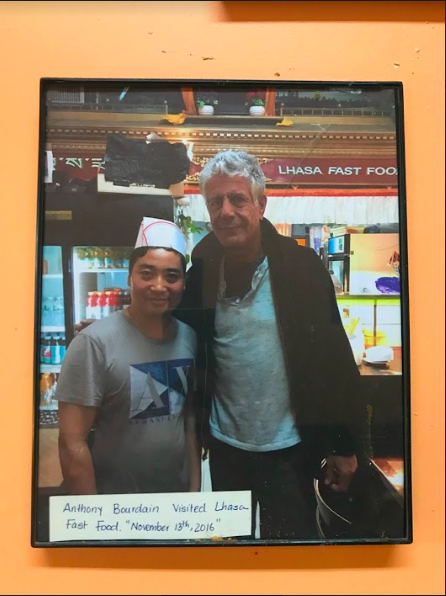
127,300
54,313
120,295
82,256
89,257
58,312
88,305
47,350
125,259
105,305
108,258
113,301
63,346
118,258
55,377
45,387
99,258
42,348
53,383
47,312
102,302
52,345
55,350
96,306
93,311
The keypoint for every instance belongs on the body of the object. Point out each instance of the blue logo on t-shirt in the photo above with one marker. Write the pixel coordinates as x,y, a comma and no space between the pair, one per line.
159,388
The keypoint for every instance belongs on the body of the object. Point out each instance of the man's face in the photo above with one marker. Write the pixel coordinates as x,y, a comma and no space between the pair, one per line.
234,216
157,282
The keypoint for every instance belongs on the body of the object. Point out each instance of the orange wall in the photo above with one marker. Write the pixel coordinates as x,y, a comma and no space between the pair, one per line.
288,40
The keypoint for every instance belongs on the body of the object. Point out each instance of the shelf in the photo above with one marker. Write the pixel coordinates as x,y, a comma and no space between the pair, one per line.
51,329
50,368
51,408
234,120
107,186
103,270
371,299
52,276
371,296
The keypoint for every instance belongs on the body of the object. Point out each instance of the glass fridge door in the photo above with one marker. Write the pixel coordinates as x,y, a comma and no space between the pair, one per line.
338,270
52,331
99,281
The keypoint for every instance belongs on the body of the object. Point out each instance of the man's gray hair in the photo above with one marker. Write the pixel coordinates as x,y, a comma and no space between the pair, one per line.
235,163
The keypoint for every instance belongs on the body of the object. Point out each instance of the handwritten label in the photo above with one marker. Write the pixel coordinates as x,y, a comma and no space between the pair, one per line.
170,516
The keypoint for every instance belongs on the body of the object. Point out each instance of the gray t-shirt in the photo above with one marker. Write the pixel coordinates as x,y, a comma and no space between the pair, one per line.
139,386
251,408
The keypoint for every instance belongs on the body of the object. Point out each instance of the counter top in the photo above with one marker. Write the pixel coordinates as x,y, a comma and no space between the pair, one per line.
368,296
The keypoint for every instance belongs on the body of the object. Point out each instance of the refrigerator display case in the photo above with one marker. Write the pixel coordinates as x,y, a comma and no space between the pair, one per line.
99,281
52,331
80,231
339,260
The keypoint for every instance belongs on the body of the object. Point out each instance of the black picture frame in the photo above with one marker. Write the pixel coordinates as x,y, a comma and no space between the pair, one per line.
76,115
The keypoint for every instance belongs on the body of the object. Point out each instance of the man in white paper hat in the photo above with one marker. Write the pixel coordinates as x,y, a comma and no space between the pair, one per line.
129,377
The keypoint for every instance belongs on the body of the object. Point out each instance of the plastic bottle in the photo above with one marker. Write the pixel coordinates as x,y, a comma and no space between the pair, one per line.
95,311
102,305
45,312
113,302
48,311
105,305
89,257
125,260
47,350
99,258
82,255
55,350
58,313
89,305
127,300
108,258
55,312
119,258
121,298
63,346
55,378
42,348
45,389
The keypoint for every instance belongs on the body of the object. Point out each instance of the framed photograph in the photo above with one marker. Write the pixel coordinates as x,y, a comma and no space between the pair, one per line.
222,324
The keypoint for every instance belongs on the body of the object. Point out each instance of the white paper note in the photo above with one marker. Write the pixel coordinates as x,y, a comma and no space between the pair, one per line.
170,516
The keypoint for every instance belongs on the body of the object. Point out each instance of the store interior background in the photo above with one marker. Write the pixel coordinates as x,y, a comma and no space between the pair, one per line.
405,42
348,215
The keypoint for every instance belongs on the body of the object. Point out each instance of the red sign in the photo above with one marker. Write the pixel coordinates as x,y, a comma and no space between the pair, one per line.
332,171
328,171
287,171
79,168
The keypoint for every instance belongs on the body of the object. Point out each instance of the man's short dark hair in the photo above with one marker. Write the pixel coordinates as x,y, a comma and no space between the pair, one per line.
141,251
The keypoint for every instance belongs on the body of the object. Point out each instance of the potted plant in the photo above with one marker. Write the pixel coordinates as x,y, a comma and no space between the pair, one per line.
188,227
256,102
205,102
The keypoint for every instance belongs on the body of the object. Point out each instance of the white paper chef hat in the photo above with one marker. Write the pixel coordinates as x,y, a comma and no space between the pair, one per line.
162,234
